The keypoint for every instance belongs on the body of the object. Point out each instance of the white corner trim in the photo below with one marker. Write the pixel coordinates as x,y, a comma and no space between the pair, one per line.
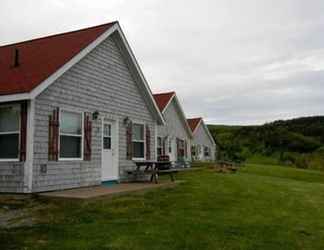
155,141
30,147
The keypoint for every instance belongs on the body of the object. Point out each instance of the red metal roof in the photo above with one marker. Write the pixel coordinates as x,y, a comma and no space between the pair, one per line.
193,123
162,99
40,58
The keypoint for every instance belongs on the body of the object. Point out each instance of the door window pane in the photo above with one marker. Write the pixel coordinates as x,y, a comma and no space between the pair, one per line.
9,145
107,130
71,123
70,146
107,143
9,119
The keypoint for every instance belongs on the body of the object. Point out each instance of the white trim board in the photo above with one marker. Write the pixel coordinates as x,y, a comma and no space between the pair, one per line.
29,163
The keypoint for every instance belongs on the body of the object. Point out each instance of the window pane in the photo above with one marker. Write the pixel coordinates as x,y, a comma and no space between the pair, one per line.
159,142
9,145
71,123
138,132
9,119
107,130
70,146
107,143
138,149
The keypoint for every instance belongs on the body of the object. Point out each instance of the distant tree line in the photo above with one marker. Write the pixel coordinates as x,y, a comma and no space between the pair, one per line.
298,141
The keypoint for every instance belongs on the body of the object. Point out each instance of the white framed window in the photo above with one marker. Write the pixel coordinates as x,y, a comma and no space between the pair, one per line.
159,146
206,151
9,132
138,141
199,149
71,135
181,148
193,150
170,145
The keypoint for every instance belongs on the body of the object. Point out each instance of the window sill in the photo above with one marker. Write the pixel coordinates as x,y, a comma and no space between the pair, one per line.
138,159
9,160
70,159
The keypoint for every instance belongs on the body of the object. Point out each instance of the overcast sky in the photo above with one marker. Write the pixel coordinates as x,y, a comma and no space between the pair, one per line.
232,62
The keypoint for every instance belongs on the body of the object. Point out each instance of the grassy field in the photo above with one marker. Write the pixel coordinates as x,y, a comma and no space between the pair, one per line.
260,207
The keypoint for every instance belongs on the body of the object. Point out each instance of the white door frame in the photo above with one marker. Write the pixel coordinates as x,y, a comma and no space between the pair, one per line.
114,144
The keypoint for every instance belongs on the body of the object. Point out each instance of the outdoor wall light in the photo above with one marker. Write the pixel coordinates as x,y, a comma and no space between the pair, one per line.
126,120
95,115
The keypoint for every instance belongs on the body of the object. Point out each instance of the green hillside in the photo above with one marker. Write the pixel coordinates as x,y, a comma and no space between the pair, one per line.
298,142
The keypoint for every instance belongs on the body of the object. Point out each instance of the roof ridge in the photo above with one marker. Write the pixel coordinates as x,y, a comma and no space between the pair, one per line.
165,93
59,34
195,118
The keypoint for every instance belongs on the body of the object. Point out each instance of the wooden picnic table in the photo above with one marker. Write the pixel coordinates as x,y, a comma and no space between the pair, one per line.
154,168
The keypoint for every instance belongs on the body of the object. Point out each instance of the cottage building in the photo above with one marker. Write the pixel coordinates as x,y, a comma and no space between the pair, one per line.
75,110
203,145
173,138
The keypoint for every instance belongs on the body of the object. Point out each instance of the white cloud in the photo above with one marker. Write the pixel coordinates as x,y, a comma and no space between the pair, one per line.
230,61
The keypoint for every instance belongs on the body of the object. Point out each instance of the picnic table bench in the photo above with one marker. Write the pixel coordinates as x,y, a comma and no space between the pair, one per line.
232,166
154,168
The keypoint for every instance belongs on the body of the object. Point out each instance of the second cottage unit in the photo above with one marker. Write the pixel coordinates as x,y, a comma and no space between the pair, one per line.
203,145
173,138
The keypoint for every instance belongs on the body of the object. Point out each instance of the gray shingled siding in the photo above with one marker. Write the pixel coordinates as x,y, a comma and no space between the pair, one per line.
175,127
202,138
11,177
100,81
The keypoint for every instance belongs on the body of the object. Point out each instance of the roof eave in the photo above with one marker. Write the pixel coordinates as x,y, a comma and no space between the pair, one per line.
53,77
15,97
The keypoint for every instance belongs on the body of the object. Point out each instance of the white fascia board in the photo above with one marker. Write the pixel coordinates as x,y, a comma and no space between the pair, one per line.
208,132
46,83
166,106
141,75
197,126
183,116
14,97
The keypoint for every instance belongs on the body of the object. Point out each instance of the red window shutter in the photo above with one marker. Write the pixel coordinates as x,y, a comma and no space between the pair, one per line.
23,131
148,143
53,135
185,148
178,147
163,145
129,144
87,138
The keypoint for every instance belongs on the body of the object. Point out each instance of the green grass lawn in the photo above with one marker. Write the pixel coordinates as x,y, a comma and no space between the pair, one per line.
260,207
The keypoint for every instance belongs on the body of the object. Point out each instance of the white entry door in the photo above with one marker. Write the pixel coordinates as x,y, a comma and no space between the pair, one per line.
109,152
173,146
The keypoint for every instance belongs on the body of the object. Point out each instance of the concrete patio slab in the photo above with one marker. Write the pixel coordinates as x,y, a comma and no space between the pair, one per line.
106,192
